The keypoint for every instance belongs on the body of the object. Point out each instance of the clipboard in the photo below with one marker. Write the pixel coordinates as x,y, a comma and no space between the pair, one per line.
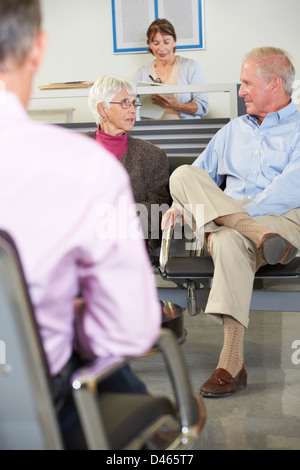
148,109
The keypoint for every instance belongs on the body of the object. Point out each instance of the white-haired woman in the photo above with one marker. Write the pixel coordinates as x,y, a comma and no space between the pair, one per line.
113,103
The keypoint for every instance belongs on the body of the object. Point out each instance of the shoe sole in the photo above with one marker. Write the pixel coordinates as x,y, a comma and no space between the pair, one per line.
278,250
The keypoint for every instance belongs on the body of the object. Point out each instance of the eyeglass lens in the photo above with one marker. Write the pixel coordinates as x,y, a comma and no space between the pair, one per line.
127,103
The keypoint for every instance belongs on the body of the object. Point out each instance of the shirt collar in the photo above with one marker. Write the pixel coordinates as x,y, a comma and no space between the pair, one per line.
274,118
10,105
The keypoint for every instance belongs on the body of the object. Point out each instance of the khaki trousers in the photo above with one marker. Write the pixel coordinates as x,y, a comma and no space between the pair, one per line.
236,258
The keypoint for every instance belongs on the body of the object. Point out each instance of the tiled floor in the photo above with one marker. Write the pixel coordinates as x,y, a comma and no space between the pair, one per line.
264,416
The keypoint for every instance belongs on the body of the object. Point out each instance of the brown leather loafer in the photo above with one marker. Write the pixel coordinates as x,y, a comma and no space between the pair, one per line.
276,249
222,384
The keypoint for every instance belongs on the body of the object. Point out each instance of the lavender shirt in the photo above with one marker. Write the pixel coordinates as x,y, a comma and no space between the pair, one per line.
57,189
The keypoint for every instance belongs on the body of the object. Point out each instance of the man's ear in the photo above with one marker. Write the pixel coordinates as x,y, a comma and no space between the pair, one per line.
276,84
37,51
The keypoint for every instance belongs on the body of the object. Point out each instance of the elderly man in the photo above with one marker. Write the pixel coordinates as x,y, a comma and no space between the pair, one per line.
256,219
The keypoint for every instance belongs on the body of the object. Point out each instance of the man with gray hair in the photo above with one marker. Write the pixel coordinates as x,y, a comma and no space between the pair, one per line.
53,186
256,219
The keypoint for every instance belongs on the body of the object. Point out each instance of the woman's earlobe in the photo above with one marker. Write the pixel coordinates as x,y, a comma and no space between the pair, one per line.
101,111
100,108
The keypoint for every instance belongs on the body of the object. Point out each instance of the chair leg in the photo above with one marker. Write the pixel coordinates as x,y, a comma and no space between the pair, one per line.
191,299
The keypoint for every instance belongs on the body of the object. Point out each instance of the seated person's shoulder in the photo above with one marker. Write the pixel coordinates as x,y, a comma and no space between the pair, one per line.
91,134
151,154
144,145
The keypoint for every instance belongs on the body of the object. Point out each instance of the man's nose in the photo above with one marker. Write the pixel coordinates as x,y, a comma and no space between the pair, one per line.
242,91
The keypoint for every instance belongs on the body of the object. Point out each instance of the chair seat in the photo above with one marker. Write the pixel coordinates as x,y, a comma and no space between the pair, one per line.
292,269
203,267
126,415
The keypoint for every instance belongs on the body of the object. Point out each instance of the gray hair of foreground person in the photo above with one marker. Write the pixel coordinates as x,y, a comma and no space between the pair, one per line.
273,62
19,25
104,90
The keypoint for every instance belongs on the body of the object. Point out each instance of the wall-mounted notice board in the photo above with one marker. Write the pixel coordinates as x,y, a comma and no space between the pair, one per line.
131,19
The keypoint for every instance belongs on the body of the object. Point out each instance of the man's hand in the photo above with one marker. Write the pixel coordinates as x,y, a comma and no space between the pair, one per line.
170,216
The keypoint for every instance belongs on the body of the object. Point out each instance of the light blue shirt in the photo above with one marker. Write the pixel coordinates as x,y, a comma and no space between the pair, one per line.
259,162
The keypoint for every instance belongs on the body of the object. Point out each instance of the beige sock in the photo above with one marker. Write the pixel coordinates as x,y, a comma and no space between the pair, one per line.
232,354
244,224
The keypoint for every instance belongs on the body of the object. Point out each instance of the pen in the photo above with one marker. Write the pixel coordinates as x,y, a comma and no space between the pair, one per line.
157,80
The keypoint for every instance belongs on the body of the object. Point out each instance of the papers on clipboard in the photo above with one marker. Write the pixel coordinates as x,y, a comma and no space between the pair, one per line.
148,109
149,84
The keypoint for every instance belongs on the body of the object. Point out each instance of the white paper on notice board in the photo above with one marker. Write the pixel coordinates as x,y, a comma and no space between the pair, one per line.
131,19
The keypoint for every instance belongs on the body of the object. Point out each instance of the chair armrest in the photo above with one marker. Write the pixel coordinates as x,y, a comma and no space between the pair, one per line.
84,385
96,371
184,244
84,382
89,376
167,236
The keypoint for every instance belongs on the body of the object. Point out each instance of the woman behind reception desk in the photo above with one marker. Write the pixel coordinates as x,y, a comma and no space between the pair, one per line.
170,69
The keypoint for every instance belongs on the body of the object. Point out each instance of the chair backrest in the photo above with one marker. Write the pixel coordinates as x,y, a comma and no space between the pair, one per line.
27,415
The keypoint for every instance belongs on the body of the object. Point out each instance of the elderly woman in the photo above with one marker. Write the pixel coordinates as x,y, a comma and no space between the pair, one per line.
113,103
171,69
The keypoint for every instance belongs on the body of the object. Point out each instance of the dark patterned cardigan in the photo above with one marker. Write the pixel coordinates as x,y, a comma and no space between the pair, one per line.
148,169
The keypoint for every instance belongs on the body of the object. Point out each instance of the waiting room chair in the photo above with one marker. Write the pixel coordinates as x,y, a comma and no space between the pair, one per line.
183,262
28,417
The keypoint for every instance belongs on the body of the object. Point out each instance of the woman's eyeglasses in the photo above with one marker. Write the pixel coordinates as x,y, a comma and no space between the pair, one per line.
127,103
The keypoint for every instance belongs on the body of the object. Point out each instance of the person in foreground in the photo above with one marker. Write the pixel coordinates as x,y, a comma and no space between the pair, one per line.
112,100
256,219
171,69
55,185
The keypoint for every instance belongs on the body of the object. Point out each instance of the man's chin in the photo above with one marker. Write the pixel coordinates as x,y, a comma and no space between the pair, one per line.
249,108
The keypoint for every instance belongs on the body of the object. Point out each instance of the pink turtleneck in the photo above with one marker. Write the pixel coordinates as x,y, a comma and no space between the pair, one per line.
116,144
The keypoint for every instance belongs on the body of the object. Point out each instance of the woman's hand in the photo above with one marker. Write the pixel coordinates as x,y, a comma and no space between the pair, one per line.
165,102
